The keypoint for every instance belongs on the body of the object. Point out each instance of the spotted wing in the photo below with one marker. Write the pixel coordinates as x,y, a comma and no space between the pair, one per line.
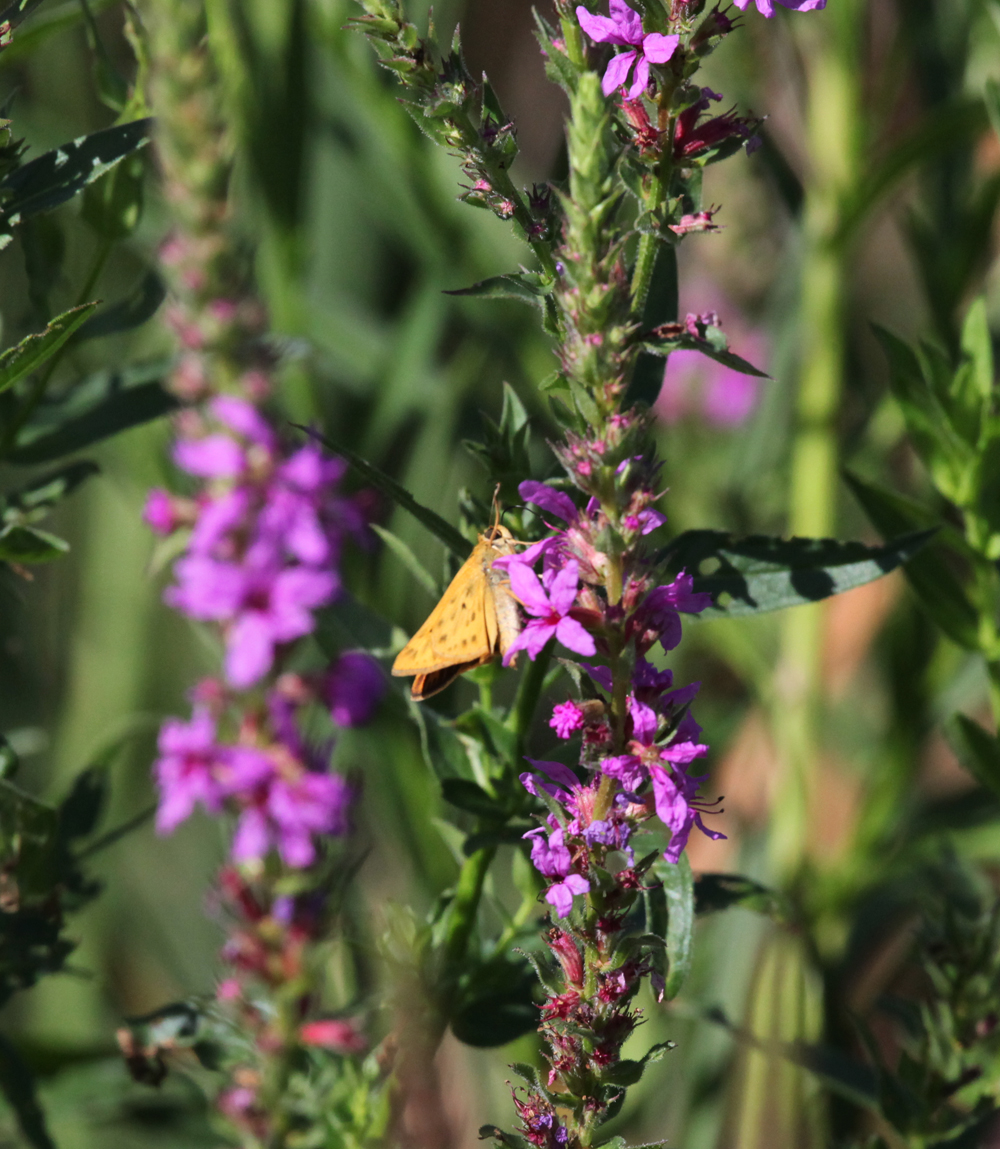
455,634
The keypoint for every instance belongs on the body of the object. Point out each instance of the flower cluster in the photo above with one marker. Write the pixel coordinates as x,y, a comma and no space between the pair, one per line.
269,945
266,533
264,771
659,738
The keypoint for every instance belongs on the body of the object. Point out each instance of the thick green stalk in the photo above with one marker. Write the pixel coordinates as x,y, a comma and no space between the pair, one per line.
464,907
833,115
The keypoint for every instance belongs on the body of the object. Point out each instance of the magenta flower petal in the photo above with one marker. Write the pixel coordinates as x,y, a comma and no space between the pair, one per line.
563,587
617,72
572,635
627,21
252,838
243,418
599,28
658,49
641,78
527,589
557,772
214,457
249,650
557,503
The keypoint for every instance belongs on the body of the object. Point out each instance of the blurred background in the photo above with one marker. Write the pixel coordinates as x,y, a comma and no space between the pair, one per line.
873,200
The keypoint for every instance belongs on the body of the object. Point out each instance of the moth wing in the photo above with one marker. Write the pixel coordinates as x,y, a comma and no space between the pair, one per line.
455,632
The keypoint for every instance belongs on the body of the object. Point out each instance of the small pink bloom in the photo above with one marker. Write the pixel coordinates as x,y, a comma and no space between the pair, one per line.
340,1036
624,28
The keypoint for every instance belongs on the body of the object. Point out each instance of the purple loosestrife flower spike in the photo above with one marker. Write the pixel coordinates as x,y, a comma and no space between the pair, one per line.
550,610
766,7
625,29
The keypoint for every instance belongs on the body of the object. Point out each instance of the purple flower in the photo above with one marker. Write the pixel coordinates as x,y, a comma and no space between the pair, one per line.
266,606
212,457
218,518
566,719
560,895
674,793
660,608
353,688
564,781
550,610
628,769
557,503
766,7
285,812
549,855
243,418
274,608
185,770
625,28
159,512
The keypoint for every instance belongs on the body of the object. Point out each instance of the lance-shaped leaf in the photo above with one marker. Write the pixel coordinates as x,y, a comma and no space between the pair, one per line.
119,411
931,572
18,1085
675,338
28,355
760,574
678,887
452,538
524,285
128,313
976,749
45,183
714,892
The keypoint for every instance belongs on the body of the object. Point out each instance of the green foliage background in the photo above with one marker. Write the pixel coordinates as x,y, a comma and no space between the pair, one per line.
878,185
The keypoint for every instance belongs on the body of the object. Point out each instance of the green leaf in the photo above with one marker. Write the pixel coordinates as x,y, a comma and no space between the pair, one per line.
528,287
452,539
678,886
80,811
762,574
120,411
30,545
409,560
18,1085
471,797
128,313
691,343
495,1004
976,749
929,573
113,204
714,892
28,355
56,176
42,494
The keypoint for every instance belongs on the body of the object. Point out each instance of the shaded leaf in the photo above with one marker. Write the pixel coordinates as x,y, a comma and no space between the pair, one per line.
18,1085
30,545
976,749
929,573
409,560
119,412
714,892
495,1005
762,574
471,797
525,286
678,886
53,178
128,313
720,354
28,355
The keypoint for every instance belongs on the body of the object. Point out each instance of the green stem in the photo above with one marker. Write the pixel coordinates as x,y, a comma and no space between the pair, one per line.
833,114
465,905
